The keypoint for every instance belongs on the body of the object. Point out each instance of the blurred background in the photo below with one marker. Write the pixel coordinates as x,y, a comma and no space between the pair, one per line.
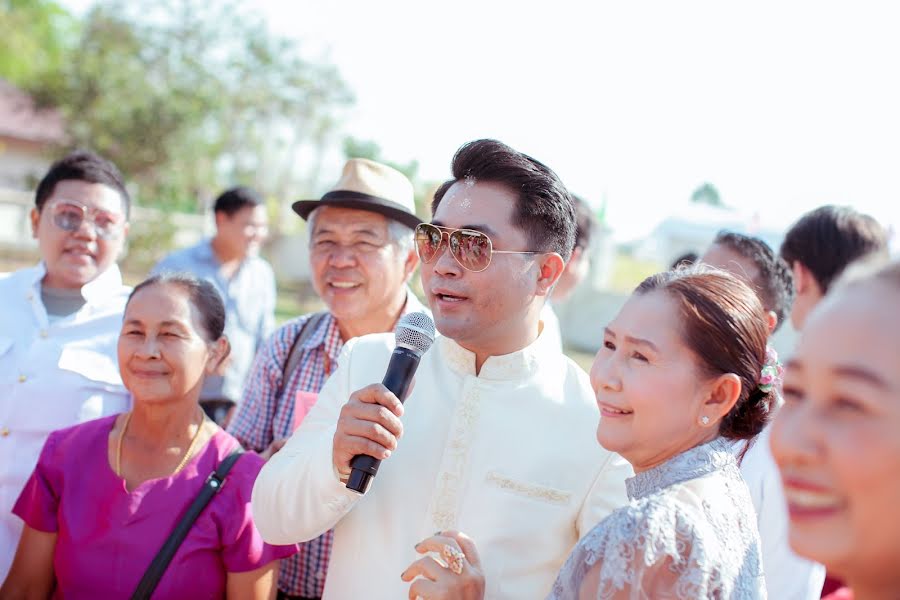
674,120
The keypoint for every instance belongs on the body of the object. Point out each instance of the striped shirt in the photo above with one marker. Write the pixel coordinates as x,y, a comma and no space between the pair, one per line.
263,417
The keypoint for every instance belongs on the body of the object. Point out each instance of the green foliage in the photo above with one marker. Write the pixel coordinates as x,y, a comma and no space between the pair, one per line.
187,97
357,148
34,36
707,194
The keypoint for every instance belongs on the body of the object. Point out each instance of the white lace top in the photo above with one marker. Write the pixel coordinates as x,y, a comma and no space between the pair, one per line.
688,533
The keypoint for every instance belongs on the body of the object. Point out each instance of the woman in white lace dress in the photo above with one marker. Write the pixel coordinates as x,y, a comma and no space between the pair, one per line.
681,374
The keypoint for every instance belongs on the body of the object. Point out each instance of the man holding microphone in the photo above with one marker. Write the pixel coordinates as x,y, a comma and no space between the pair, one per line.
497,435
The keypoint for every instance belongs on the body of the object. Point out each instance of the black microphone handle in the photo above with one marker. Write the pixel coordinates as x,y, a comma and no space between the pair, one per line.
397,379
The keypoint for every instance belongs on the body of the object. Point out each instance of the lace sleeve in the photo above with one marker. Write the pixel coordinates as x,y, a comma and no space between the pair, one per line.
643,551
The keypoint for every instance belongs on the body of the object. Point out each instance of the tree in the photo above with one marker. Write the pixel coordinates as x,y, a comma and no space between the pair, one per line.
34,35
707,194
188,96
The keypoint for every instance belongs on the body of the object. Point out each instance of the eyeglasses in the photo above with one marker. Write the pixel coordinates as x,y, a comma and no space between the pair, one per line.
68,215
471,249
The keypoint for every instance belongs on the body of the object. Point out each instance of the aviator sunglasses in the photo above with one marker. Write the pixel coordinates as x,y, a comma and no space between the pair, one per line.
68,215
471,249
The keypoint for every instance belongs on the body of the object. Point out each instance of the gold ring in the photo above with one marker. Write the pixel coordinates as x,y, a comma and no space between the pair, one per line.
454,558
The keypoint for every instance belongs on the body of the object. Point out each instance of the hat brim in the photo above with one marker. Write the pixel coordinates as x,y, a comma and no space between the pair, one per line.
358,201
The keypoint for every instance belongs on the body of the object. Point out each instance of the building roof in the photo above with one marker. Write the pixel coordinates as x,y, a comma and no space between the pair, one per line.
22,119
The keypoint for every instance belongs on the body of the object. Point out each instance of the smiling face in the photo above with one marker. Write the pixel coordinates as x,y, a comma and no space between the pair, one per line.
837,438
648,387
357,268
75,258
163,351
494,311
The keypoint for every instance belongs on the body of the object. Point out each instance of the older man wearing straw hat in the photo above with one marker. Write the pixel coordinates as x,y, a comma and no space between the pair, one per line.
362,256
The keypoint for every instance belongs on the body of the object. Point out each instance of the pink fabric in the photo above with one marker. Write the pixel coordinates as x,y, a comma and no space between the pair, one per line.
107,536
843,593
303,402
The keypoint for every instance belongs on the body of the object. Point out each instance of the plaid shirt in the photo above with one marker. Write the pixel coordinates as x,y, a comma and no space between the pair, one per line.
264,417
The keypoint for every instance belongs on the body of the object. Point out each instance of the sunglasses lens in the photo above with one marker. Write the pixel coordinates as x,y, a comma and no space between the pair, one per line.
68,216
471,248
428,241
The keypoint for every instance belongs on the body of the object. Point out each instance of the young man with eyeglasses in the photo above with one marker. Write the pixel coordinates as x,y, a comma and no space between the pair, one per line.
497,436
60,322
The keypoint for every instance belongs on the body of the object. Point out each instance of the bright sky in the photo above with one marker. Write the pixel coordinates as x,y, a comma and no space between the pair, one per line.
782,105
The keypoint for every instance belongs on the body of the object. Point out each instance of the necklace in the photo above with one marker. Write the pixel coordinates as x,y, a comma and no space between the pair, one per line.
184,459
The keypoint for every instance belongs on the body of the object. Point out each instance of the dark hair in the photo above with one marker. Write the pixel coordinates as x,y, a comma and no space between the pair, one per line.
82,165
775,282
829,238
685,260
584,223
544,208
233,200
201,293
723,323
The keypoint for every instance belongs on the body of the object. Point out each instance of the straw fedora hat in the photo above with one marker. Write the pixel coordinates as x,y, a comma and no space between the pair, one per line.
368,185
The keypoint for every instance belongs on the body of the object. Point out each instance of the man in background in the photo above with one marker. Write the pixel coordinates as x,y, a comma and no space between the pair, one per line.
821,245
788,576
576,269
230,260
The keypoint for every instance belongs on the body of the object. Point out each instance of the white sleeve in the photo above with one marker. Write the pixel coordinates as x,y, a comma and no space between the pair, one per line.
788,575
607,493
298,495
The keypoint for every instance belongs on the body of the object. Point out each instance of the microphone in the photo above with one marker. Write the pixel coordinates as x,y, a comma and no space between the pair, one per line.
414,334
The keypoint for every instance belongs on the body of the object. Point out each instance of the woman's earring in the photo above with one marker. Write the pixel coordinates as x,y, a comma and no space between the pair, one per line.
704,419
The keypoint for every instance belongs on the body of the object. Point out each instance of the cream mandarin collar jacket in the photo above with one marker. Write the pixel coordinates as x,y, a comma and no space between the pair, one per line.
509,457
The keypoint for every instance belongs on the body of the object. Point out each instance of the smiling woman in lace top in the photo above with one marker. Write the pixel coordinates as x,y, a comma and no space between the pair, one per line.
679,378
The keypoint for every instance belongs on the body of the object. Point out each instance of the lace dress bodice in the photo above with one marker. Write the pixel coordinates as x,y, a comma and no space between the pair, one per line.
689,532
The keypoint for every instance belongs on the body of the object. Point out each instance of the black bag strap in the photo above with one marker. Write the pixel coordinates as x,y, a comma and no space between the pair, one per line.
293,359
211,487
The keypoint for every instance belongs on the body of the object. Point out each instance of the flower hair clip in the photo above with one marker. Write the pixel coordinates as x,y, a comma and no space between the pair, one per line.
771,373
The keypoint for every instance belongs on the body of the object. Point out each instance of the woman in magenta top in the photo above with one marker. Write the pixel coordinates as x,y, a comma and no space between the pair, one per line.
106,494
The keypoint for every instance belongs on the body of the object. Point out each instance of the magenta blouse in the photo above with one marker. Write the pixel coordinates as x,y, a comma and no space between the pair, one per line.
107,536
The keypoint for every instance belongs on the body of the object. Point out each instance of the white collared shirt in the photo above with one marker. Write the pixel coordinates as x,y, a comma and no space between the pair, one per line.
52,375
788,575
508,456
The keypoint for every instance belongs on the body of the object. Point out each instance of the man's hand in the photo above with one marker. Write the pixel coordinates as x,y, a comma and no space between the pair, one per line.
273,448
450,569
369,424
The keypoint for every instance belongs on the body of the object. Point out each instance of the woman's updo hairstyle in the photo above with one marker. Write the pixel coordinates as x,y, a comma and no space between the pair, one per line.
202,295
724,324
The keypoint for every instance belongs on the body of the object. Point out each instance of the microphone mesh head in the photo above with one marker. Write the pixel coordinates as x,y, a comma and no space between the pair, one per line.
415,331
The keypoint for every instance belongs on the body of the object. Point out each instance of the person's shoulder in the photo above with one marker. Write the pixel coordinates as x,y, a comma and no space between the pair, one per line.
70,441
574,380
374,342
288,331
180,258
248,465
18,279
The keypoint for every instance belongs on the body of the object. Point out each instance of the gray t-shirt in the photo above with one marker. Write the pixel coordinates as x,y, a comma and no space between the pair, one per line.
60,302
